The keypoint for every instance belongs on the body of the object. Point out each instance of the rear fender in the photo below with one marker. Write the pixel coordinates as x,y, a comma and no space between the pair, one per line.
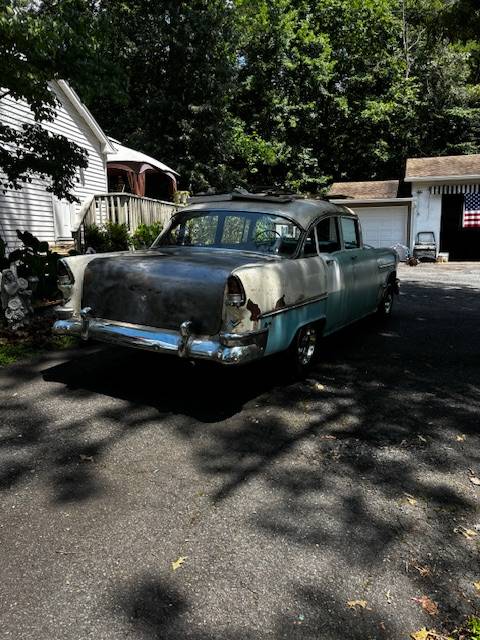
280,297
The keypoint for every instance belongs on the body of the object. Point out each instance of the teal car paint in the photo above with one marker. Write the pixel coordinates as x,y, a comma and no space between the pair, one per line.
233,278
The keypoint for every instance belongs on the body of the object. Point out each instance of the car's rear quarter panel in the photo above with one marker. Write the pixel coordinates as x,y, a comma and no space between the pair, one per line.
280,297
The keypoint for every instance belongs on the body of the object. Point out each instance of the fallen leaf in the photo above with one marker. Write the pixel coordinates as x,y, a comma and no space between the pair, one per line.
84,458
423,634
428,634
460,438
328,437
353,604
466,533
428,605
410,499
422,438
178,563
477,586
388,596
319,387
423,571
475,480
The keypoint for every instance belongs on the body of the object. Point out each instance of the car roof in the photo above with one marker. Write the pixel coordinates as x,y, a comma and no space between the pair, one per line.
303,211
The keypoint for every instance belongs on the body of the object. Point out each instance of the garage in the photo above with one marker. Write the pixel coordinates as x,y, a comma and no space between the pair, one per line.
383,226
384,216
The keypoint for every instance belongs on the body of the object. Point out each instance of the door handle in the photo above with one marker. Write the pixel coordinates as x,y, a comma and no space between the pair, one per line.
353,257
329,260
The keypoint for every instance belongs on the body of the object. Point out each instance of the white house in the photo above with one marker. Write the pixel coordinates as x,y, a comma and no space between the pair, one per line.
142,188
33,208
439,186
385,217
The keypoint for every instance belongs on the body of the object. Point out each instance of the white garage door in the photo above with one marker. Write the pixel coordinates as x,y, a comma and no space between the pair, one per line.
383,226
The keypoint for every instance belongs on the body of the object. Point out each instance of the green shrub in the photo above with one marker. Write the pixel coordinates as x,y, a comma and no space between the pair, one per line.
94,237
146,234
111,236
118,238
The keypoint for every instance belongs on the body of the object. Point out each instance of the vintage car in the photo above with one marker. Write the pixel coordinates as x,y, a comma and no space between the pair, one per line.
233,278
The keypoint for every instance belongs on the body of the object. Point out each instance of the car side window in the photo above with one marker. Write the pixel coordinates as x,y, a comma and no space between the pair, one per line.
351,235
327,235
310,245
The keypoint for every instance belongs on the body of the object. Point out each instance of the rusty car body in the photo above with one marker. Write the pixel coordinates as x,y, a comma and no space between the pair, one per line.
233,278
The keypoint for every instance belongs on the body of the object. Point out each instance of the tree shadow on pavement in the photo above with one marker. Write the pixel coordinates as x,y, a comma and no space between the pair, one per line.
365,464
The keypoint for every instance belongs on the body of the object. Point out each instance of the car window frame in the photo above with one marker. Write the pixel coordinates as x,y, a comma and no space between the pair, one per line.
358,230
313,226
337,225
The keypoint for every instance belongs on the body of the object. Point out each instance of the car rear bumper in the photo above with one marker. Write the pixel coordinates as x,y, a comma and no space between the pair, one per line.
226,348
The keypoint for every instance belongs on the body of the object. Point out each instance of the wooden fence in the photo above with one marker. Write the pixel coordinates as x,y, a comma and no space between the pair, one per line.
122,208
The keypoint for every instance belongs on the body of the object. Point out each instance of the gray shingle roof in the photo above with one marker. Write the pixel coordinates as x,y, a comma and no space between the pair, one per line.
468,165
372,190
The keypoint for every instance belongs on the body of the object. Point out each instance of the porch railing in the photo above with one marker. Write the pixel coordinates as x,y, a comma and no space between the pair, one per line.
122,208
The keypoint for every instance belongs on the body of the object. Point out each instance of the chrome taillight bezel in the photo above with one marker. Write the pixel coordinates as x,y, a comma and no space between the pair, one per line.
235,293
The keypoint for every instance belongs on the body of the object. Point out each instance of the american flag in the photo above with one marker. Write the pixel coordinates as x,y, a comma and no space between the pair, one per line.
471,210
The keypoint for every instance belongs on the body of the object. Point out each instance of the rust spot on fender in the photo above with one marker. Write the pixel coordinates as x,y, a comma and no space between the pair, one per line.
280,304
254,310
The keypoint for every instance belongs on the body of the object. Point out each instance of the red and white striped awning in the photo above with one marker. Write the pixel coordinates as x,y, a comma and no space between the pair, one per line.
455,188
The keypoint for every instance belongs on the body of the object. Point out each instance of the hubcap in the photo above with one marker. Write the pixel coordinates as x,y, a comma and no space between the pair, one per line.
307,341
387,302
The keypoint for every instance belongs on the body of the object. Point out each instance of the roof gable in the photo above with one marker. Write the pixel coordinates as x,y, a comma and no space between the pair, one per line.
63,89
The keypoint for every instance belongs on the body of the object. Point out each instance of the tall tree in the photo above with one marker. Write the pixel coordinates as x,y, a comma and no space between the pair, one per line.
178,65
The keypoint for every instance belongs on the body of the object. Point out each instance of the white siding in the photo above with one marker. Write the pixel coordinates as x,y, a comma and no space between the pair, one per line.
31,208
427,211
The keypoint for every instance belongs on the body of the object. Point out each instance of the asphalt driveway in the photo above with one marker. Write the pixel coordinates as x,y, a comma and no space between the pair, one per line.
324,509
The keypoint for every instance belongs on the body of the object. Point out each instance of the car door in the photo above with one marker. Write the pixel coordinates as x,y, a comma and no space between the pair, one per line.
362,296
339,272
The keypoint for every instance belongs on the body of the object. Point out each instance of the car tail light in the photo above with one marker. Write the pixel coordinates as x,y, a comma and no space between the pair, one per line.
235,294
65,280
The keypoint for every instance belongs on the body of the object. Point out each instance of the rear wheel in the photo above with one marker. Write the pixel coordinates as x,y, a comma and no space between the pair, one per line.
304,349
386,305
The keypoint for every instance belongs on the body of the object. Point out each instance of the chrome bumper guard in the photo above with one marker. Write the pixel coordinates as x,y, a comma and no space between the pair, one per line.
226,348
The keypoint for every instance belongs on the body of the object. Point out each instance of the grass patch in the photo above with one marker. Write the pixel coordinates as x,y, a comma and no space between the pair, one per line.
29,342
10,353
473,627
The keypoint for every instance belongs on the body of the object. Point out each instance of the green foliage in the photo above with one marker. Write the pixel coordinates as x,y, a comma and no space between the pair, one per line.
293,93
40,42
11,352
111,236
35,260
178,67
146,234
473,626
280,93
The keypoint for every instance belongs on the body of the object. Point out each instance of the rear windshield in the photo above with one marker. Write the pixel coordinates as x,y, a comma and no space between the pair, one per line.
242,230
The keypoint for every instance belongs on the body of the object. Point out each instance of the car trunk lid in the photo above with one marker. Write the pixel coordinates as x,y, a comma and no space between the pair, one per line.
163,288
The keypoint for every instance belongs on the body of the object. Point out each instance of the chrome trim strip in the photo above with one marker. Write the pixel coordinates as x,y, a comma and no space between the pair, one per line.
294,306
386,266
